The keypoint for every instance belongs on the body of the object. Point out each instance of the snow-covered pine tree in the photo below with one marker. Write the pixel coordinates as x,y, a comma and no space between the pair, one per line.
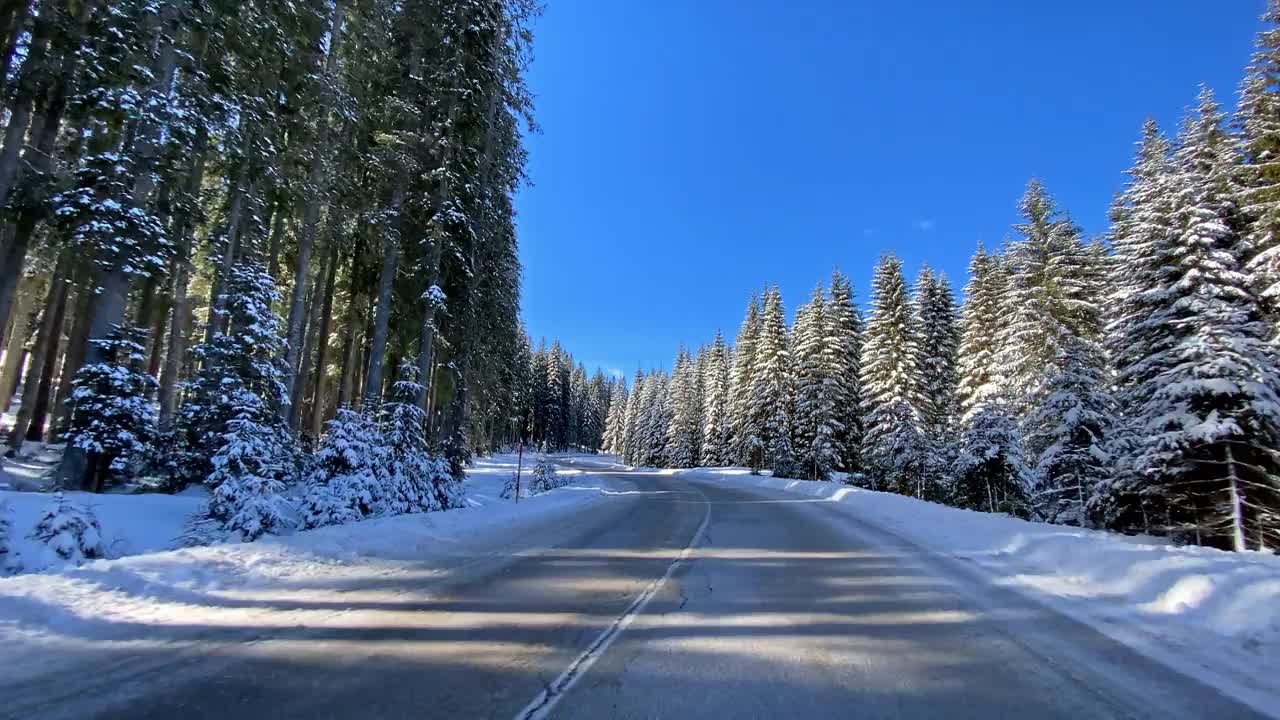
246,356
653,421
1066,432
631,423
614,440
254,462
990,472
979,374
1053,293
817,424
1141,268
893,447
746,435
938,339
772,390
1208,463
844,352
110,418
417,482
557,399
10,558
70,530
682,441
348,481
717,435
1258,194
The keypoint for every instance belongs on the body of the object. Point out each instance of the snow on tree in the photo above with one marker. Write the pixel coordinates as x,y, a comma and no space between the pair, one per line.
772,391
614,441
412,474
10,559
1258,177
938,339
980,381
1206,464
682,433
816,391
542,478
631,422
1066,432
70,530
246,356
844,352
110,417
746,434
990,472
348,481
653,421
717,432
891,381
1053,293
254,462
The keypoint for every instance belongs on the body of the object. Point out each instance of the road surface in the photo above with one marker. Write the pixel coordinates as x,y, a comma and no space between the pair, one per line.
677,599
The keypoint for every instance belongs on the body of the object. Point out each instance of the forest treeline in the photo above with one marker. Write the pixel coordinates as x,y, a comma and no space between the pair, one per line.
226,225
1129,382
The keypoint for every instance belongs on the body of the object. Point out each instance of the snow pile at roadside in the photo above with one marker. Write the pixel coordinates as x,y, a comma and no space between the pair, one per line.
1207,602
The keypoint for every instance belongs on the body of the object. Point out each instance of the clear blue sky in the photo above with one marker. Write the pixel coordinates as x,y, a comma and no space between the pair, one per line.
694,150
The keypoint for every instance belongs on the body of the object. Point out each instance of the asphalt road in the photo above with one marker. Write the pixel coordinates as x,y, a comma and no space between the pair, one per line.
679,599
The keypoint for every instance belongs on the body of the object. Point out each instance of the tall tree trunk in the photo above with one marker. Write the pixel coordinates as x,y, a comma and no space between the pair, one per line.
15,22
350,347
48,372
15,352
180,318
322,344
298,388
46,340
277,238
30,78
77,344
382,315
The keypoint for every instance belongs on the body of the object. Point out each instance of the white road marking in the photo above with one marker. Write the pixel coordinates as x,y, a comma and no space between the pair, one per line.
546,700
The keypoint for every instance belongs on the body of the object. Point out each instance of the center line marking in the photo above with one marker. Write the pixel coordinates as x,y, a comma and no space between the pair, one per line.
549,697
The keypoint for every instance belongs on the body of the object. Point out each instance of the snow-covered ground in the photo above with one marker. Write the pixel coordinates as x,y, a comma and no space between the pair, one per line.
44,615
1209,613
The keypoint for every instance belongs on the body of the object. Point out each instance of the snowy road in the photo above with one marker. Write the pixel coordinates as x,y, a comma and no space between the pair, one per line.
772,607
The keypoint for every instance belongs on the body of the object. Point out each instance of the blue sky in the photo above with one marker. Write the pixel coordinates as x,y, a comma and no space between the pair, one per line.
694,150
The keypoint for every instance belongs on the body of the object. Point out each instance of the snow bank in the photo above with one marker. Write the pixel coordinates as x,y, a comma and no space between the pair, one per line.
179,592
1194,608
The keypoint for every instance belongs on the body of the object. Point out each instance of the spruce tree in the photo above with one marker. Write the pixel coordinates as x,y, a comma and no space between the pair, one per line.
717,435
980,381
990,472
816,390
770,404
682,441
349,480
1258,194
844,353
746,434
70,530
893,447
938,340
1211,418
254,463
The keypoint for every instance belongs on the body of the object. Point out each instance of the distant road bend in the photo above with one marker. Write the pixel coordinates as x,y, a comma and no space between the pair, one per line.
675,598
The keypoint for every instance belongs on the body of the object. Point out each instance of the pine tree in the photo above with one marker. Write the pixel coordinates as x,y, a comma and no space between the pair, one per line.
746,434
816,391
990,472
253,464
614,441
844,353
772,391
653,421
893,446
980,381
1212,417
417,482
1258,198
1053,294
349,479
631,423
111,419
1067,432
682,436
70,530
938,340
717,434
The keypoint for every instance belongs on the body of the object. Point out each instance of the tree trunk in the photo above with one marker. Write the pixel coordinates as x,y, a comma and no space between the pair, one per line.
15,22
382,316
322,343
46,341
16,352
350,347
40,411
1238,542
300,380
77,344
30,78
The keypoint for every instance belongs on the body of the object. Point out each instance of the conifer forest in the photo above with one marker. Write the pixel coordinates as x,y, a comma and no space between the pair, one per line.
264,245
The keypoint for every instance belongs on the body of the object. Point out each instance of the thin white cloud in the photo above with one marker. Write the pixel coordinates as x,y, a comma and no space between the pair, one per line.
616,372
925,224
